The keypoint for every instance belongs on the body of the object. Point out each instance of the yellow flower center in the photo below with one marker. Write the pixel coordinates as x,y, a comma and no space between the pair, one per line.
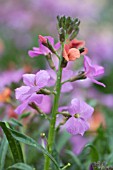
77,115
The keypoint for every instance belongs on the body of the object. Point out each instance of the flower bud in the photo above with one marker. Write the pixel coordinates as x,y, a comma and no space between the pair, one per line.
50,47
50,61
74,34
62,34
64,63
42,39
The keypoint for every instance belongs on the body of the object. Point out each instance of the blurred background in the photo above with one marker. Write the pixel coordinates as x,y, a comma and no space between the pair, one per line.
22,21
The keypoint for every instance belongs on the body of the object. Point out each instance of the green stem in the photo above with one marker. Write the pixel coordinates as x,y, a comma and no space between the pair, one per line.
51,135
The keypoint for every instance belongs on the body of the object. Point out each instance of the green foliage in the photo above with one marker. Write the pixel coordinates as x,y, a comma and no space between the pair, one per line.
21,166
14,144
14,137
3,152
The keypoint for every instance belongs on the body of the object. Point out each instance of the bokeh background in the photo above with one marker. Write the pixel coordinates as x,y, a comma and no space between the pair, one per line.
21,21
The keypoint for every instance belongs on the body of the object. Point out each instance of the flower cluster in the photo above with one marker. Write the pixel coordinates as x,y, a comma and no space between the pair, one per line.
33,92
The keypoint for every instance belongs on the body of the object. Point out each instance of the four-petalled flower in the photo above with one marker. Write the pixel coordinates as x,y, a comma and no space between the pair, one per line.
79,112
27,94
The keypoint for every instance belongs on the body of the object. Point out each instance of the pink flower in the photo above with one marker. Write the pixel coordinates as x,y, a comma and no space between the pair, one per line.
42,50
27,94
92,71
42,39
80,112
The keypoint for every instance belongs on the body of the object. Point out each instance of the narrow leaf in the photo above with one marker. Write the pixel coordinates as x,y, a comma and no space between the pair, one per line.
21,166
3,152
75,158
29,141
15,122
94,153
24,115
14,144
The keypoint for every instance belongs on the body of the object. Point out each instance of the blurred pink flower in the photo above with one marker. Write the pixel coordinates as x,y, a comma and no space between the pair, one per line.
10,76
78,142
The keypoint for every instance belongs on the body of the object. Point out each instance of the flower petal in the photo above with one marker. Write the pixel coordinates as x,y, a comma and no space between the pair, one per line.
86,110
67,87
45,104
76,126
73,54
53,77
65,55
92,70
29,79
99,70
42,78
21,108
57,46
36,98
89,69
35,52
51,39
97,82
20,92
75,107
66,74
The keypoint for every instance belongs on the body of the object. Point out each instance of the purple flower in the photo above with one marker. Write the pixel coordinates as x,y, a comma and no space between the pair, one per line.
27,94
37,99
78,142
42,50
45,104
10,76
92,71
80,112
66,74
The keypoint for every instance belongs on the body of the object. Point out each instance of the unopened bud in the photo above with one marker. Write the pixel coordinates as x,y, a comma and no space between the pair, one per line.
50,47
42,39
42,135
82,50
62,34
50,61
80,76
64,63
74,34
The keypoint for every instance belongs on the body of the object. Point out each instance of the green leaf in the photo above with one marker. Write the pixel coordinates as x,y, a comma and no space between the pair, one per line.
21,166
24,115
3,152
29,141
14,144
15,122
94,154
75,158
